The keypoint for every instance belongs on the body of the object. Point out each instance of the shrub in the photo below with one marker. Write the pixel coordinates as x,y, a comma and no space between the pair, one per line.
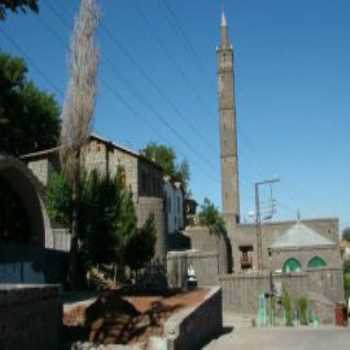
287,306
303,310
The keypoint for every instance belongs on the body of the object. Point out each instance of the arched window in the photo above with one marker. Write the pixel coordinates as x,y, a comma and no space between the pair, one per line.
292,265
316,263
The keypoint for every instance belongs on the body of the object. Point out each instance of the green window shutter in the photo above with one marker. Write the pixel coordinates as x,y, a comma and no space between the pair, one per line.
292,265
316,263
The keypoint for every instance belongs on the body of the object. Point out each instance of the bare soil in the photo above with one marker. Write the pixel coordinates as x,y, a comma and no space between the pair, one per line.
116,318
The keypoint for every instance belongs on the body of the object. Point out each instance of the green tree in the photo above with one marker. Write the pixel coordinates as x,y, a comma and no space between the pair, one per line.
141,247
165,157
59,200
162,155
15,5
210,216
346,234
107,216
29,117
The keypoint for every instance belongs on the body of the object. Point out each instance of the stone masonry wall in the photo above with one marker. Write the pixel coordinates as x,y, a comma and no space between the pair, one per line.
205,265
245,234
203,241
241,291
331,255
192,327
30,317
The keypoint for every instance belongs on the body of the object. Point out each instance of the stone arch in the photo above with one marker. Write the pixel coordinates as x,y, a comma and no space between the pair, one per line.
30,193
291,265
316,262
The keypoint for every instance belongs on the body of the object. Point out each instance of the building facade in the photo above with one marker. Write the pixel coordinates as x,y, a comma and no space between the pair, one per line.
143,177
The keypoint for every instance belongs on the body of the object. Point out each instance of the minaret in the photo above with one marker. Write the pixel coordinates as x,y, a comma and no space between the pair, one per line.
228,129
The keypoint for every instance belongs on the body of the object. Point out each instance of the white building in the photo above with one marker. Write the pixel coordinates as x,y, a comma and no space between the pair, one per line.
175,197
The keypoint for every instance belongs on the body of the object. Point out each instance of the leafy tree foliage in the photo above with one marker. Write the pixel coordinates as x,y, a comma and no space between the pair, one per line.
15,5
210,216
346,234
29,117
141,247
59,200
108,225
166,158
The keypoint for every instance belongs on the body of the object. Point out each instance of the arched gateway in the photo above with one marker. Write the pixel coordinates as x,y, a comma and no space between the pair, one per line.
28,190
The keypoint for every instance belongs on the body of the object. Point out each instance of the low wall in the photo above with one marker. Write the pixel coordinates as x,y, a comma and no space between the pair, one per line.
192,327
31,265
60,240
328,282
241,290
205,265
30,317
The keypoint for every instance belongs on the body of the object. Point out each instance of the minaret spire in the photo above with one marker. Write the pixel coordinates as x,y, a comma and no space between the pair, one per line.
225,41
228,129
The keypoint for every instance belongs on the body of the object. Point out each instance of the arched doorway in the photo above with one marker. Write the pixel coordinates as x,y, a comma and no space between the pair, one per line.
316,263
291,265
23,192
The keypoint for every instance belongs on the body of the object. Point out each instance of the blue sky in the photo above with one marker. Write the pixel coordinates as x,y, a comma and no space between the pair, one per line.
157,82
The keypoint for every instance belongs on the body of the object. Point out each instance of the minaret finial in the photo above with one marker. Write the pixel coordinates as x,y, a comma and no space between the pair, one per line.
223,19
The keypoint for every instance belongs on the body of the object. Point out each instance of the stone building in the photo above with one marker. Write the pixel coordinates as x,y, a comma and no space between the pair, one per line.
143,177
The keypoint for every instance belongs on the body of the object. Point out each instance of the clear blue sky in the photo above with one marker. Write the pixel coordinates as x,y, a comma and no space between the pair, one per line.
292,62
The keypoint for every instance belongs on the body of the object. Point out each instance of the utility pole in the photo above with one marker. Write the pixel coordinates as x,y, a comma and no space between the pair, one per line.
258,220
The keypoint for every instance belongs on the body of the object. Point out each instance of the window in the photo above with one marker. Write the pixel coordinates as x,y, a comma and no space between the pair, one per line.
292,265
316,263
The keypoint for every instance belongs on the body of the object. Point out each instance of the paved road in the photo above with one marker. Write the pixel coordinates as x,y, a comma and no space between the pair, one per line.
244,338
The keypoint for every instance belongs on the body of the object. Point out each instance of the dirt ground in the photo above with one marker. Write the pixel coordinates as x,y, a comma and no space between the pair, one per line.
125,319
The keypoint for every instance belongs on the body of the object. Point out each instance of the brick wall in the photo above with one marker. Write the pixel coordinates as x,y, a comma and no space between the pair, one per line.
30,317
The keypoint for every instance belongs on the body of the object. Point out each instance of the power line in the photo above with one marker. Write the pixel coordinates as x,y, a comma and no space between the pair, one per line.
119,97
187,42
163,47
156,87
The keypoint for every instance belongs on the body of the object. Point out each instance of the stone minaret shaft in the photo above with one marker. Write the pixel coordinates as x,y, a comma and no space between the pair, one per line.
228,129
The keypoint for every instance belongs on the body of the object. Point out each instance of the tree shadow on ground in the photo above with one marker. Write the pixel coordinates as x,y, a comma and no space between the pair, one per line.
114,320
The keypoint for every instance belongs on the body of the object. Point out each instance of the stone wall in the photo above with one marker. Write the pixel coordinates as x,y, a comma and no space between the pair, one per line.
331,255
203,240
205,265
241,291
30,317
192,327
30,264
60,240
245,235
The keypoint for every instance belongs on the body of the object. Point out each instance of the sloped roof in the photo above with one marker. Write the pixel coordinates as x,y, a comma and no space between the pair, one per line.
300,235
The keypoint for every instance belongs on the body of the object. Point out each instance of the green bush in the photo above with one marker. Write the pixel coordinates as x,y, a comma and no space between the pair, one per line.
303,310
288,309
347,285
